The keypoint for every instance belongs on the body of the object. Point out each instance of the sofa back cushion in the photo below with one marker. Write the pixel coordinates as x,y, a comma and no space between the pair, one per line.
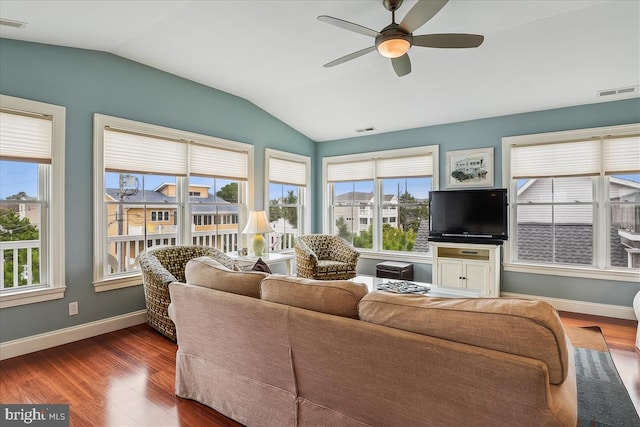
207,272
516,326
337,297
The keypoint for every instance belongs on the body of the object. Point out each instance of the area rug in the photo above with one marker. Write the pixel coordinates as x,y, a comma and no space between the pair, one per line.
603,400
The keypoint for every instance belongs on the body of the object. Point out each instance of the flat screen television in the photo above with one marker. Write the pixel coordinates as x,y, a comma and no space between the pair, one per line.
468,216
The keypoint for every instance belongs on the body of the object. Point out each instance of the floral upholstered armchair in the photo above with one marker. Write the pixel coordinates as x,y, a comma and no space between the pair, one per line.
325,257
165,264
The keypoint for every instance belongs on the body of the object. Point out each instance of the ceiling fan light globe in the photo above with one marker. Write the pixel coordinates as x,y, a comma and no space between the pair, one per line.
393,48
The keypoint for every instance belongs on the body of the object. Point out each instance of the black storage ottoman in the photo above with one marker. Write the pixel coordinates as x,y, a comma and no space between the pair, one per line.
395,270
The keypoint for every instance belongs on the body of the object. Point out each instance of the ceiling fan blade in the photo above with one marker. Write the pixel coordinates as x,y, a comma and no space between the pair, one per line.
448,41
420,13
346,25
350,56
401,65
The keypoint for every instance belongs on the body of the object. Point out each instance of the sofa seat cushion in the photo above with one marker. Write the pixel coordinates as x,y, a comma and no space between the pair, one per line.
337,297
516,326
209,273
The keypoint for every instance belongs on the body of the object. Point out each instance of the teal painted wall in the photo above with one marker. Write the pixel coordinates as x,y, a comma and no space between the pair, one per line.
88,82
489,133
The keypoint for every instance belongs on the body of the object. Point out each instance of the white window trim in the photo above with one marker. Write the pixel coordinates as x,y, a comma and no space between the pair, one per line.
600,237
306,199
56,233
400,152
101,283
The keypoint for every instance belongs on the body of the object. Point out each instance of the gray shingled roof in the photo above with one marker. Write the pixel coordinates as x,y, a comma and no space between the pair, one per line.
421,244
574,244
155,197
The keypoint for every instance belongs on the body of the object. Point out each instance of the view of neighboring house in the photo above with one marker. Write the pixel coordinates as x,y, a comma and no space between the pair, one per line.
564,230
137,216
355,208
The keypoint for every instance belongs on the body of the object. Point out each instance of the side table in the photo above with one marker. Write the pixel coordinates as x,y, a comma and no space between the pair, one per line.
271,258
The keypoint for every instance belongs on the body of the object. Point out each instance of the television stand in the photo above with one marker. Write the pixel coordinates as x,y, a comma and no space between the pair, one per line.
467,266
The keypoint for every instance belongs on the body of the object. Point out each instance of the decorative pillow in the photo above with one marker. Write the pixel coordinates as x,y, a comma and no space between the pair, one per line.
209,273
517,326
337,297
260,265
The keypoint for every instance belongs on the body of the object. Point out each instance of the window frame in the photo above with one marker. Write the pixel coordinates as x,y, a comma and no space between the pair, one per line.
304,193
185,221
377,251
52,178
601,268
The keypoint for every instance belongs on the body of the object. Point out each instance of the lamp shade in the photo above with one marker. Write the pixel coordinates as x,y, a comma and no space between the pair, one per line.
258,223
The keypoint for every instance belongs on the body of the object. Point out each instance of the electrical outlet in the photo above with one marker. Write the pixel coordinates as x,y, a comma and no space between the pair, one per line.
73,308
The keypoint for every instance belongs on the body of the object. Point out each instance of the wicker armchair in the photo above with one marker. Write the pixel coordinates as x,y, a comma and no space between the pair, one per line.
165,264
325,257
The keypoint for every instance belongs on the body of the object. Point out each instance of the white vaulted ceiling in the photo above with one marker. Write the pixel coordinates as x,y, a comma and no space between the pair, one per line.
536,55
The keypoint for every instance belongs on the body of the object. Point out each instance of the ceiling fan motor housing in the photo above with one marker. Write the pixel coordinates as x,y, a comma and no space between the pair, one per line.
391,5
392,42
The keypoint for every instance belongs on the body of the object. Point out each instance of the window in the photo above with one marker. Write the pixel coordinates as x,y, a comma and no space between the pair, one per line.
289,176
158,216
160,186
31,201
575,201
379,201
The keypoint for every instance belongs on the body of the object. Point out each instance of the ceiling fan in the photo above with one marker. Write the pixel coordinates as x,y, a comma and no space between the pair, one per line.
394,40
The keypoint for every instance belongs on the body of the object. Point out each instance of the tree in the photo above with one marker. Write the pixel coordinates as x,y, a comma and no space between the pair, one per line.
395,239
364,239
13,228
229,192
343,229
19,196
410,217
284,208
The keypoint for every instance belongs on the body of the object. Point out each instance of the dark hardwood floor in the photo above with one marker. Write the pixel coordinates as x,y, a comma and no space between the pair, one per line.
126,378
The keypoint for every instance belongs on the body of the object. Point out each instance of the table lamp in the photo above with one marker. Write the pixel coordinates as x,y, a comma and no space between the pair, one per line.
257,224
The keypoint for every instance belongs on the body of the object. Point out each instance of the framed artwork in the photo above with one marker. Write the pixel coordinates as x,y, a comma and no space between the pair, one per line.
470,168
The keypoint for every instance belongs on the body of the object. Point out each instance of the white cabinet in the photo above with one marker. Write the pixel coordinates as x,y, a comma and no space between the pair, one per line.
468,266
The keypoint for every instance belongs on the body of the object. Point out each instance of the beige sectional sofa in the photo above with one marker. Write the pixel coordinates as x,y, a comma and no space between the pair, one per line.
270,350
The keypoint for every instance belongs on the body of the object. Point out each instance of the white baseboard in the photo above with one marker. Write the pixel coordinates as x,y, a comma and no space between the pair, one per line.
75,333
584,307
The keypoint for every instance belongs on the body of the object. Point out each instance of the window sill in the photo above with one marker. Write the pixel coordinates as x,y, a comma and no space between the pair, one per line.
585,272
31,296
117,283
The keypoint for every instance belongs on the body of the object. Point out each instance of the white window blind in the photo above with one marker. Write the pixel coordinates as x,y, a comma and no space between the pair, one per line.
132,152
621,155
401,167
218,162
25,137
575,158
287,172
351,171
395,167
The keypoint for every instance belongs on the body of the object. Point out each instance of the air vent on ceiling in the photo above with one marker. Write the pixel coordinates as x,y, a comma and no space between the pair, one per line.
13,24
630,90
369,129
